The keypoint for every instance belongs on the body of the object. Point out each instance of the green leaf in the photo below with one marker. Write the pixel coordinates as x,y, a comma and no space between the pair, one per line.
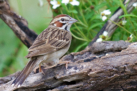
73,11
94,25
128,15
80,46
100,6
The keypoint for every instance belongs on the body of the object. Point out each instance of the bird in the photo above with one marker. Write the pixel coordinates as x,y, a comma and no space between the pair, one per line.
48,47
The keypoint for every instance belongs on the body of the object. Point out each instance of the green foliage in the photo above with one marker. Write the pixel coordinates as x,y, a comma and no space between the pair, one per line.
8,47
88,14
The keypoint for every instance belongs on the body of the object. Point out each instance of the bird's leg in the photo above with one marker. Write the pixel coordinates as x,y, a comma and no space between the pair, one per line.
65,62
51,66
40,70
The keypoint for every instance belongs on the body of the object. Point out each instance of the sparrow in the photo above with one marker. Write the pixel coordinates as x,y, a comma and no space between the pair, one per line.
49,46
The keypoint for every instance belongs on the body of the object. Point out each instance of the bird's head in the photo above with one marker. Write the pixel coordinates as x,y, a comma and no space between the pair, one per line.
63,22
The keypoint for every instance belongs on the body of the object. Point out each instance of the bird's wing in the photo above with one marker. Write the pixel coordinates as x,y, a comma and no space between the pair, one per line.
50,40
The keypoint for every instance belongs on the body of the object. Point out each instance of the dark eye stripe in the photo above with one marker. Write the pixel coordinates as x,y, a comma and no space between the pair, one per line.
63,20
63,23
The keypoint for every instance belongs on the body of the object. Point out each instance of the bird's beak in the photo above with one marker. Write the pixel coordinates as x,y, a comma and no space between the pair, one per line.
72,20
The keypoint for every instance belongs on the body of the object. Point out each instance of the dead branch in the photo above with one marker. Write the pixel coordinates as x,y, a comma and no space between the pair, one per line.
112,71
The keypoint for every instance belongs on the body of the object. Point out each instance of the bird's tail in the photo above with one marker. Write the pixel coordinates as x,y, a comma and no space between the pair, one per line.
24,73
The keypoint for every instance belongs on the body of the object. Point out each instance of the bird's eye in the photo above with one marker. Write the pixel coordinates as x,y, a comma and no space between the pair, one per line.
62,19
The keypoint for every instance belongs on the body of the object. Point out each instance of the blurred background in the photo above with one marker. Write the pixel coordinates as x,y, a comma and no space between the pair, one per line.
39,13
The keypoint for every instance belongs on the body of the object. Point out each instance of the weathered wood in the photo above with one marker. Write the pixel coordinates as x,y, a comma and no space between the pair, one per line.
85,73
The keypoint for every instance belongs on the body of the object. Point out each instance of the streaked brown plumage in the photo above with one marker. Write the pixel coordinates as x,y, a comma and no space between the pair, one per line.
49,46
50,40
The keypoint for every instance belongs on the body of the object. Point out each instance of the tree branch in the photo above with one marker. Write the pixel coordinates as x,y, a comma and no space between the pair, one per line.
114,69
18,25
